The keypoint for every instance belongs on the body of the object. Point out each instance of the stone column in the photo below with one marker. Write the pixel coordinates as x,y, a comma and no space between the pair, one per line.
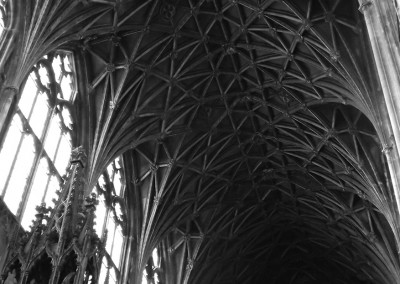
381,20
8,97
383,30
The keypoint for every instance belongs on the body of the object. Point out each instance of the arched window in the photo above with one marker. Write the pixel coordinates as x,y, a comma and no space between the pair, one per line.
151,272
109,219
37,146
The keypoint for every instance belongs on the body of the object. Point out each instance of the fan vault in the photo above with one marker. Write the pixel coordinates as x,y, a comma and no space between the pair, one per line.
249,130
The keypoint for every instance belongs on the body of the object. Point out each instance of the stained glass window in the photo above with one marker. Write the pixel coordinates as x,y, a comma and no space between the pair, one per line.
37,146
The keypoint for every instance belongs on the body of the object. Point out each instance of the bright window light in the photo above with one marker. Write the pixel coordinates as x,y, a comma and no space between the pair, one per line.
113,277
28,96
156,263
10,148
37,192
63,154
117,183
66,87
37,146
66,115
39,115
111,233
117,248
67,65
103,272
20,173
54,184
56,64
44,76
2,13
101,212
105,219
53,137
155,258
144,278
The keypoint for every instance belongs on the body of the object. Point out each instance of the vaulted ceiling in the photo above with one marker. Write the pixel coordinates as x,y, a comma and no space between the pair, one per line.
248,134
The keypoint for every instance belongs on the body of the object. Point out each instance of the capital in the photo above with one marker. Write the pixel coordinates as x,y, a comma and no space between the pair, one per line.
78,155
364,4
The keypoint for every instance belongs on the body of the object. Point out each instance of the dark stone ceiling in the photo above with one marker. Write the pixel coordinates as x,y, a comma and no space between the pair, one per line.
247,137
246,151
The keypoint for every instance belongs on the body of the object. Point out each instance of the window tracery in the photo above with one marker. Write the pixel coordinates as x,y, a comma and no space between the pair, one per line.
151,273
38,143
3,15
109,220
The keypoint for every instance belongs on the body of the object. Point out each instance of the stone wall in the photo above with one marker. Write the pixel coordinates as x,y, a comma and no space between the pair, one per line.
8,223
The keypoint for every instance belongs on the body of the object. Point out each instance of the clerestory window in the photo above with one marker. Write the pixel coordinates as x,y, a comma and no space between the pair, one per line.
109,220
37,146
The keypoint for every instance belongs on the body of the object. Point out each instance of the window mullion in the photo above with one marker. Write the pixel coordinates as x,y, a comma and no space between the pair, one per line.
32,107
110,253
39,153
112,244
47,188
21,140
105,223
25,124
54,158
57,148
34,179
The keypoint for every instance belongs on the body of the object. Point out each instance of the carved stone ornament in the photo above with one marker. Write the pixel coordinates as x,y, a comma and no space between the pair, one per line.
61,246
78,155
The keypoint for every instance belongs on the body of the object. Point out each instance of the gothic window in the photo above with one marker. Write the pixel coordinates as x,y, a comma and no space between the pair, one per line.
2,15
151,272
108,220
37,146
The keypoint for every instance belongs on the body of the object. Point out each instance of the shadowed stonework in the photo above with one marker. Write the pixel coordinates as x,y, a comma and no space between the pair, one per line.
254,139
